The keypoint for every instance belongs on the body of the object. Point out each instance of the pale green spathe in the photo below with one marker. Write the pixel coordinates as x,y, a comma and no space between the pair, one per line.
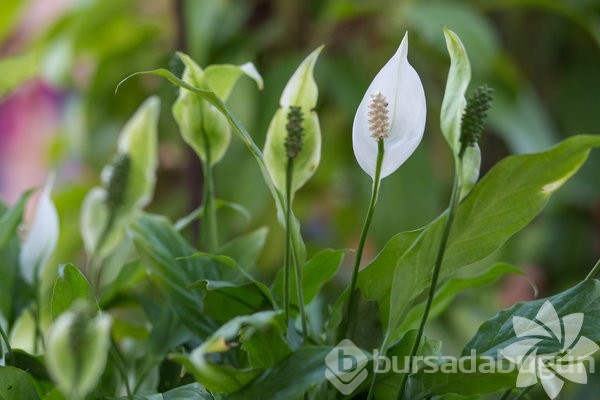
76,350
202,126
139,140
301,91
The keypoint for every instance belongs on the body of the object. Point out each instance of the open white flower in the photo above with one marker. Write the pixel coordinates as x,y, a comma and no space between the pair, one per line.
393,110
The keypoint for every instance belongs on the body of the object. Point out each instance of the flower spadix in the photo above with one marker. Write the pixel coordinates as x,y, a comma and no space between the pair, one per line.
393,110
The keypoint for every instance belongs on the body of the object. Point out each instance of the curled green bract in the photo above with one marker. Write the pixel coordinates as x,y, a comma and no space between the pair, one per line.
301,91
138,143
202,126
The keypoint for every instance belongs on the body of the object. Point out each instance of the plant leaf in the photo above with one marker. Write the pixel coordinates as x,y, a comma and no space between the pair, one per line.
454,102
500,205
71,285
290,378
15,383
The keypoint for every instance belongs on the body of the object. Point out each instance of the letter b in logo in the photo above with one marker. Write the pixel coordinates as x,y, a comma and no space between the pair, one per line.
346,367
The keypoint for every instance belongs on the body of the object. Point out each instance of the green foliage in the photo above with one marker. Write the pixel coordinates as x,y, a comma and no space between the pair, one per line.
149,315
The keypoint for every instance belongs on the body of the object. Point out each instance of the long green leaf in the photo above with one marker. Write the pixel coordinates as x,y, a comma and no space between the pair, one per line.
500,205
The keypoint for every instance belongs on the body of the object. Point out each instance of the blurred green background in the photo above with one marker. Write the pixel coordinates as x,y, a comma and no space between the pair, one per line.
60,62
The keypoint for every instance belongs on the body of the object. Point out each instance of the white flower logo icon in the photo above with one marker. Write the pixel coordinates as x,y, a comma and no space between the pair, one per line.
560,335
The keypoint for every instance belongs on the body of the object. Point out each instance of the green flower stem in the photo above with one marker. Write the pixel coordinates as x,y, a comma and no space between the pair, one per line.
523,393
454,200
209,236
9,352
593,272
291,261
363,236
506,395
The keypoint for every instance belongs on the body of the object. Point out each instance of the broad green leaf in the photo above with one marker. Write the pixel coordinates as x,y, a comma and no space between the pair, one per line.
242,133
172,268
34,365
225,378
139,141
42,237
300,91
77,364
202,126
500,205
454,102
478,378
70,286
315,273
16,384
236,293
246,249
184,222
11,218
389,378
291,377
446,293
498,332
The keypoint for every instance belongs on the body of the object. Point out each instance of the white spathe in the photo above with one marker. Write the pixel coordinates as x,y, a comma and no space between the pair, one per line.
42,237
401,86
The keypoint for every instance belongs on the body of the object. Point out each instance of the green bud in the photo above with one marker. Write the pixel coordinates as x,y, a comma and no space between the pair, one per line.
76,349
115,179
202,126
295,131
474,116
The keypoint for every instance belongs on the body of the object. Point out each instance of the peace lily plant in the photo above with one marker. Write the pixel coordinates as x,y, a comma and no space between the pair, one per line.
150,315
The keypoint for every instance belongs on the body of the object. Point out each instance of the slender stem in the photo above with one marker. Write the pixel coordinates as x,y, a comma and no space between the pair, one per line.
290,260
9,352
506,395
363,235
209,234
593,272
383,352
523,393
121,368
287,255
454,199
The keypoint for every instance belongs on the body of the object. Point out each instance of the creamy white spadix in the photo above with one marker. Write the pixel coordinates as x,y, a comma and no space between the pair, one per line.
393,110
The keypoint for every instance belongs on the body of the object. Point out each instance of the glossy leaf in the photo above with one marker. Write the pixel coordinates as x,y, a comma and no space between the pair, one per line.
295,374
172,269
500,205
315,273
225,378
16,384
70,286
447,292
